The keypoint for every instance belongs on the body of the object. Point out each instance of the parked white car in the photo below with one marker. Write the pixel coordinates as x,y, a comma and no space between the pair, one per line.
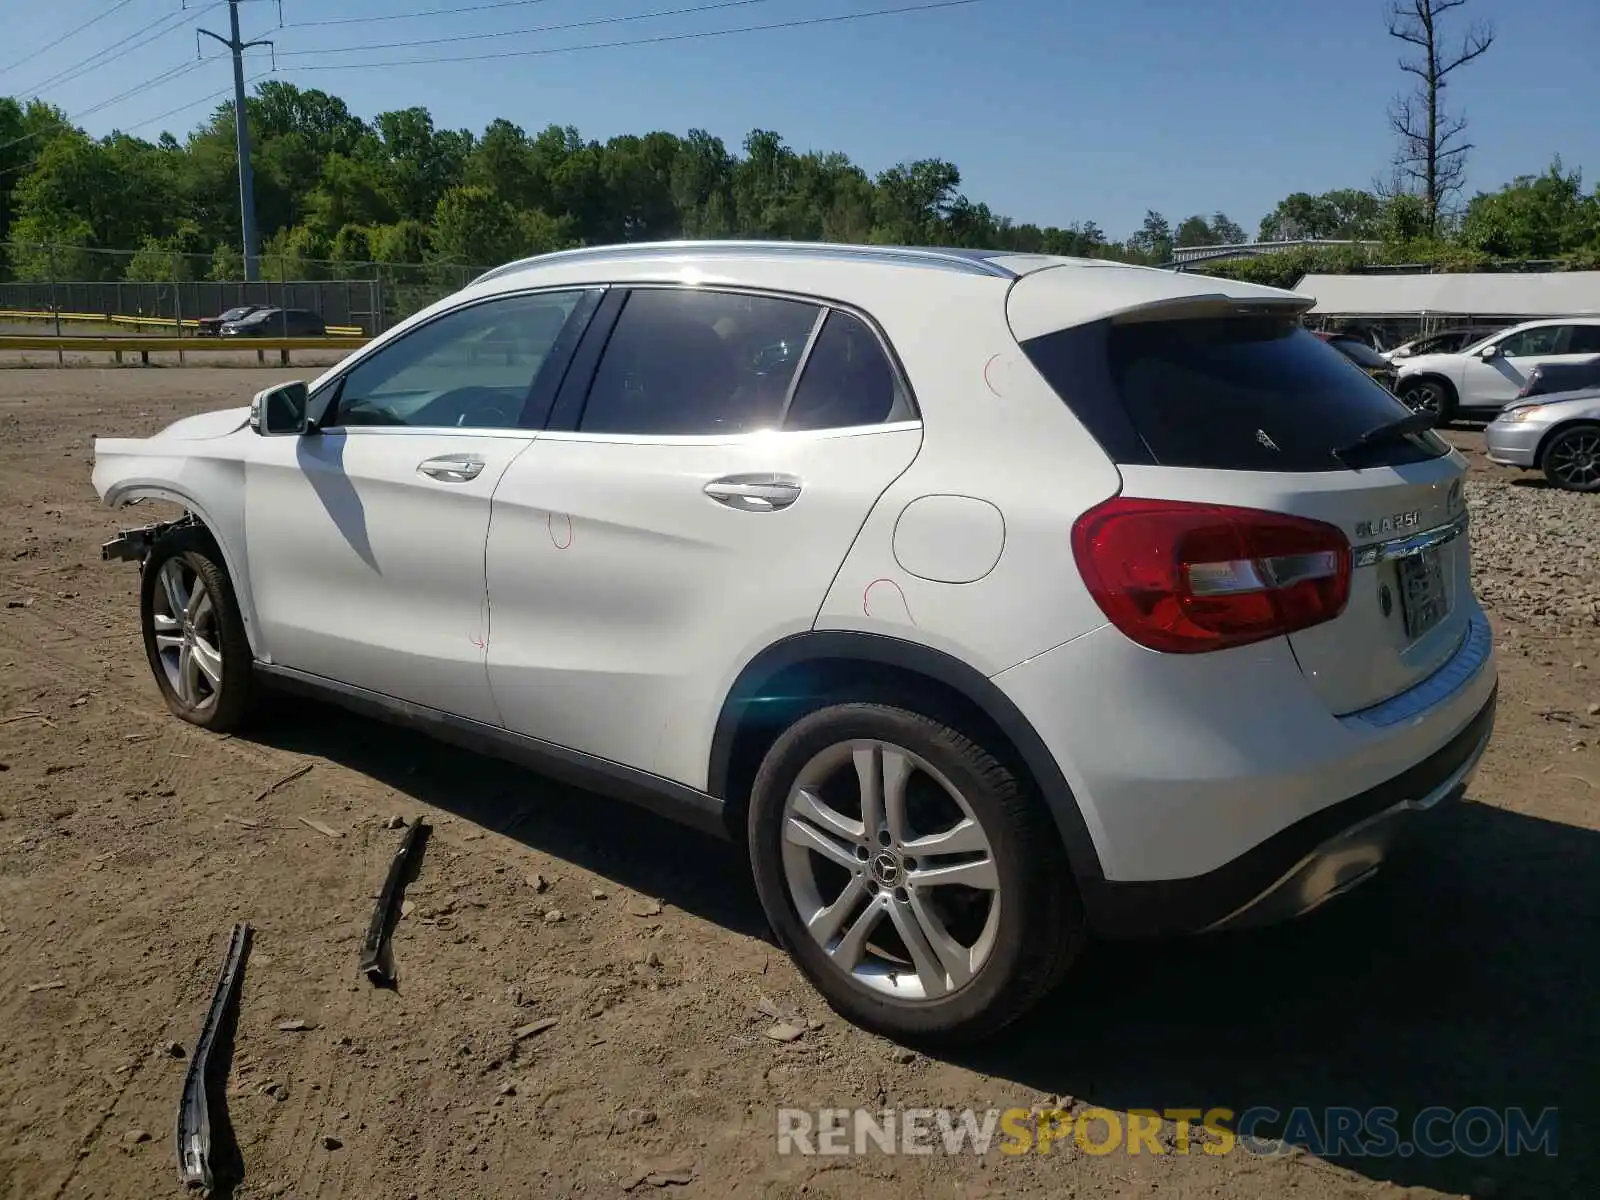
991,600
1488,374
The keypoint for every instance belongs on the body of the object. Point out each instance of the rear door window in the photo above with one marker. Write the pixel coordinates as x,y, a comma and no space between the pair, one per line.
691,362
1584,339
1232,393
1542,340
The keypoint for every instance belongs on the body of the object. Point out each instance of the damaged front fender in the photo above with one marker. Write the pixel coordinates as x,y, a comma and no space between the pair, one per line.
205,477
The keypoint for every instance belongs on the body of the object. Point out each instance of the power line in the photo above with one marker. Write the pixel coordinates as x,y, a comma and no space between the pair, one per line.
430,12
646,41
476,37
170,73
69,33
184,107
170,23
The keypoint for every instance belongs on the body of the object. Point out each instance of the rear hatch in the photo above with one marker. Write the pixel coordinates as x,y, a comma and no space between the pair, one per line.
1212,393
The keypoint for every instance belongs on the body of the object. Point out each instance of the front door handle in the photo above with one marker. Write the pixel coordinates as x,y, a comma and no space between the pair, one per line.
754,493
452,468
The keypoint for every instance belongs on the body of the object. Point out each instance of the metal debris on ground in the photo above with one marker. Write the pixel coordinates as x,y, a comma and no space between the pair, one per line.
325,830
284,782
194,1111
377,956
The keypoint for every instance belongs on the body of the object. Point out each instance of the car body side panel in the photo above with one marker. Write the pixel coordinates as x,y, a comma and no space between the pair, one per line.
205,476
995,425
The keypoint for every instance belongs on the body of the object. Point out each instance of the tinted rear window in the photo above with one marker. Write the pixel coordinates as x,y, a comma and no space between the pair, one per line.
1359,353
1235,393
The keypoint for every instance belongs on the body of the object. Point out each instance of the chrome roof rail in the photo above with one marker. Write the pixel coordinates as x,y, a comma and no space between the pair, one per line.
967,262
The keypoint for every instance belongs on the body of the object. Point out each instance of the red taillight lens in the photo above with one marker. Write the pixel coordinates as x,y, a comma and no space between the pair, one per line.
1186,578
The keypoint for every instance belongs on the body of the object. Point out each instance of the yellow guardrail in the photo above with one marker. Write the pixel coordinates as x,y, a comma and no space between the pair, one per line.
146,346
33,314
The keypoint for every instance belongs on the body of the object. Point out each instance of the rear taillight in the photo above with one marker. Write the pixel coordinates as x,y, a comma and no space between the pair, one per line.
1187,578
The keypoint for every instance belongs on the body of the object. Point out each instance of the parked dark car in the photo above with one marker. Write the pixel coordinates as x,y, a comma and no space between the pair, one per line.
1547,378
277,322
212,326
1365,357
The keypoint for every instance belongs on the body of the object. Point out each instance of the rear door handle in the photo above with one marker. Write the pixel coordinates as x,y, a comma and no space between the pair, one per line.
755,493
452,468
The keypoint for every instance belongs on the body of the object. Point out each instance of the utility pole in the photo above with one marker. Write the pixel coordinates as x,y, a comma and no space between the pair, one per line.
241,130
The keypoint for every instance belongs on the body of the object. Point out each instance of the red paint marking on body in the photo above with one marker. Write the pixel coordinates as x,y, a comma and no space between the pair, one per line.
989,383
866,598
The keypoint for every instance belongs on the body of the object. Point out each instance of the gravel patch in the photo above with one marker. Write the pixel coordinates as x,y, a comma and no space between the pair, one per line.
1535,552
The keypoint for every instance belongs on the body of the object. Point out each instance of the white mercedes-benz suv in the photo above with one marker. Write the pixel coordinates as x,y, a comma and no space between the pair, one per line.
994,601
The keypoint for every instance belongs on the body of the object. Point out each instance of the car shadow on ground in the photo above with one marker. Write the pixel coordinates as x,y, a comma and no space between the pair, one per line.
630,846
1465,975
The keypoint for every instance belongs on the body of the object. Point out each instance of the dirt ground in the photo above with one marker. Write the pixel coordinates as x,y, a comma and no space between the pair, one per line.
1466,974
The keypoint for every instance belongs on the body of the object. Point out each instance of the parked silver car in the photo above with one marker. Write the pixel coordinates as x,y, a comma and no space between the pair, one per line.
1557,434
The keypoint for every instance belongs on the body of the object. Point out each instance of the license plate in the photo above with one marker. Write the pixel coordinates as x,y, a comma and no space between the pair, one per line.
1422,594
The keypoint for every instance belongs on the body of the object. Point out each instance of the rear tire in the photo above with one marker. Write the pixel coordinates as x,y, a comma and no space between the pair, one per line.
1571,458
194,637
1430,396
941,917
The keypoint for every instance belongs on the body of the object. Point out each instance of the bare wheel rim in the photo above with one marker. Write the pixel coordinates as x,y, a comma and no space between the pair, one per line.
188,635
1424,397
890,870
1575,459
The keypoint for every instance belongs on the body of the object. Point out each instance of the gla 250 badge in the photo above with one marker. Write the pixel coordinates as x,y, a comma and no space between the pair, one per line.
1393,523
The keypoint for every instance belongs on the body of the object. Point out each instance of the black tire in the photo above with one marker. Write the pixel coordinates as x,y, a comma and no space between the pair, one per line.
225,706
1040,926
1565,453
1430,396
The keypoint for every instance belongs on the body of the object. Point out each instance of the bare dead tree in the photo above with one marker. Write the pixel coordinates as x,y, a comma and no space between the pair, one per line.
1432,156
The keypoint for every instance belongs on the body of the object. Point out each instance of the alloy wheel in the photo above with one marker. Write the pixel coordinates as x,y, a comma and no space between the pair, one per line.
1574,460
890,870
188,634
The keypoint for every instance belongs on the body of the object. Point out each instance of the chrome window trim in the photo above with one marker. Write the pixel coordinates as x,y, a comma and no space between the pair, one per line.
1372,553
494,431
726,439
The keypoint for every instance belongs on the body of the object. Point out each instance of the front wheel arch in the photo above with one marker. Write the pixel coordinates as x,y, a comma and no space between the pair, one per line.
120,496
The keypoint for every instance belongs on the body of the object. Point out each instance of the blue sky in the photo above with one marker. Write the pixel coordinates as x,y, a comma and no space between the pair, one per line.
1054,111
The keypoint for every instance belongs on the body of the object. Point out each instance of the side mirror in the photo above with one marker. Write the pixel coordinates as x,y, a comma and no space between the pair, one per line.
1490,351
276,411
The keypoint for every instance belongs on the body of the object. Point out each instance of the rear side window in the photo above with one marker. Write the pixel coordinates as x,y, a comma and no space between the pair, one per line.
1233,394
847,380
1585,339
683,361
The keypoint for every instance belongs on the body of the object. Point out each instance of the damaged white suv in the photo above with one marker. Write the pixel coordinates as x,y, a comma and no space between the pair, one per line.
993,600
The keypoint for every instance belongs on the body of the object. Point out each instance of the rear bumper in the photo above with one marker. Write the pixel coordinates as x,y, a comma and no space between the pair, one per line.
1301,867
1219,790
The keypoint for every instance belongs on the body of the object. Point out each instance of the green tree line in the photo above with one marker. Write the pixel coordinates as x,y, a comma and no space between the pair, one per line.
334,192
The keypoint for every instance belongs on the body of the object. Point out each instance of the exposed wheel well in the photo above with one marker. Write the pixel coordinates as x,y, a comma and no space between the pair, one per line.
804,687
813,671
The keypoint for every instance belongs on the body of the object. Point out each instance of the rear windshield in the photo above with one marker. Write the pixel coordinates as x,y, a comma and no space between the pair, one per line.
1232,393
1359,353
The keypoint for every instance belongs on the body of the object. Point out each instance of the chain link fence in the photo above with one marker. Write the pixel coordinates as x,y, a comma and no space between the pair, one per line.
78,289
